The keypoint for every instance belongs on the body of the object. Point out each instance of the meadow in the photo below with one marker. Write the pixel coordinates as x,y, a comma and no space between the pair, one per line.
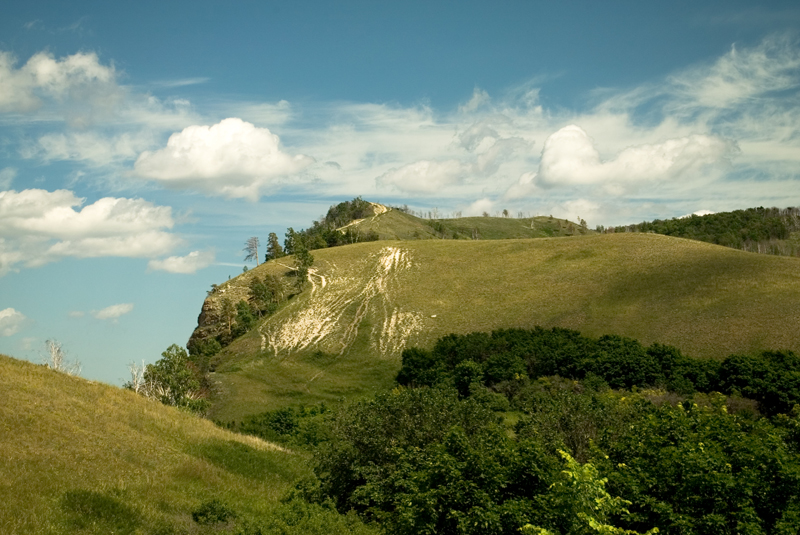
83,457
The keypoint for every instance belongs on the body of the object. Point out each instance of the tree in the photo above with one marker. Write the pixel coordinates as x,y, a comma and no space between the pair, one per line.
228,313
56,359
274,249
302,260
265,294
292,239
172,380
580,497
137,382
251,248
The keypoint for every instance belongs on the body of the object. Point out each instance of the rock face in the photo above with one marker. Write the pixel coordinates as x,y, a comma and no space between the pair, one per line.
210,322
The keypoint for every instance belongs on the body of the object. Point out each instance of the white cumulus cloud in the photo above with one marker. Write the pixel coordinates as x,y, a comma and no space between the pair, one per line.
39,226
480,207
113,312
232,158
569,157
183,264
11,321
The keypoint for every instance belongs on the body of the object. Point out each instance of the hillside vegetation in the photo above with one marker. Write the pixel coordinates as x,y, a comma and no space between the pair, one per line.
395,224
343,335
82,457
758,230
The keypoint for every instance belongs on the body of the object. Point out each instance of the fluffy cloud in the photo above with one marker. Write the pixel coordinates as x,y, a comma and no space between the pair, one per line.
569,157
11,321
233,159
113,312
480,207
183,264
38,226
88,87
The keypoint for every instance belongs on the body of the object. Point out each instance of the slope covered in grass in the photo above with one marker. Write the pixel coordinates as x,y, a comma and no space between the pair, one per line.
343,336
393,224
83,457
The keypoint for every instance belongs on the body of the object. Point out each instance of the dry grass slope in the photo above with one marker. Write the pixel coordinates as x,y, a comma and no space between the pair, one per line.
83,457
392,224
343,336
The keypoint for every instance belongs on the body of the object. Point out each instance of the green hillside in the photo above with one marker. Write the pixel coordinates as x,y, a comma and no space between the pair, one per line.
343,335
397,225
82,457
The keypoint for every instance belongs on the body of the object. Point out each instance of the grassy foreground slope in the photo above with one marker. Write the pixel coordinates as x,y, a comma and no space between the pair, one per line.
343,336
83,457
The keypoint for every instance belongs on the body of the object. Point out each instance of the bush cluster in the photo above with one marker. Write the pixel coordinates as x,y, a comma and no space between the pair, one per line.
505,359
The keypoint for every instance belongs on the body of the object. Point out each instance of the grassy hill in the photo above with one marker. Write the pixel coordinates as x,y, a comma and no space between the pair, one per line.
393,224
343,335
82,457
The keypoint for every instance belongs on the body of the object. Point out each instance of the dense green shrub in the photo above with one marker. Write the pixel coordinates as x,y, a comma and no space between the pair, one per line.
504,360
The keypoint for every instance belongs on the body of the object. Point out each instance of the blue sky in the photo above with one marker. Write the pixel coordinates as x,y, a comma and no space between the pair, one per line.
142,144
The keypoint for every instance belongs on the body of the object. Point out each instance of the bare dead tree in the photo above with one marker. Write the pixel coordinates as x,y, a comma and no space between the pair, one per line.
56,359
251,248
137,382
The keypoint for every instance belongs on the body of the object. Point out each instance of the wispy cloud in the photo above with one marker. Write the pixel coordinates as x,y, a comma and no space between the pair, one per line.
181,82
113,312
188,264
7,176
11,322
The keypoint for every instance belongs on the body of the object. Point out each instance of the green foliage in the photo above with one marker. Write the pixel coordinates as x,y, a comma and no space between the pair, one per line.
274,249
503,360
298,517
201,352
367,437
580,503
302,427
690,469
755,229
245,319
212,512
772,378
173,380
302,260
324,233
427,461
